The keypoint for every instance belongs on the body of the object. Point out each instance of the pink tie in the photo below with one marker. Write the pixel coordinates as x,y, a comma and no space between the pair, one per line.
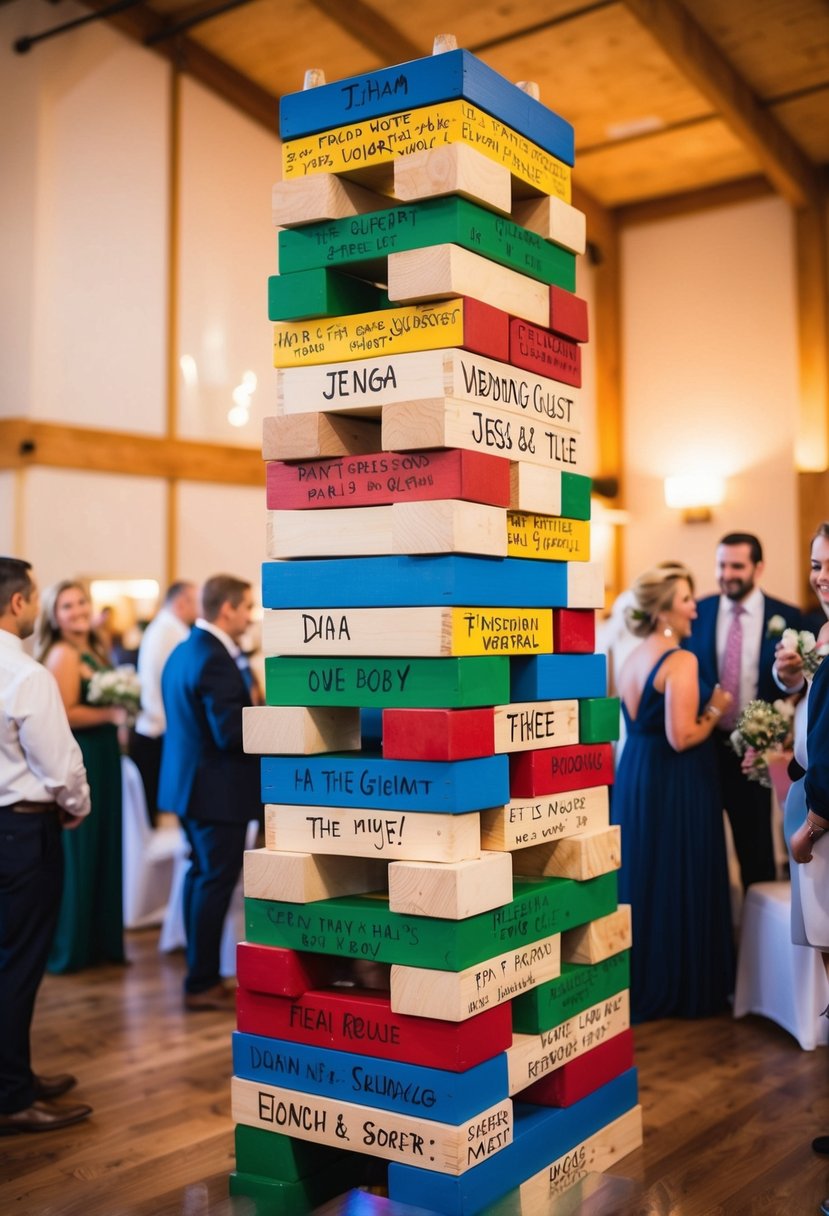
731,664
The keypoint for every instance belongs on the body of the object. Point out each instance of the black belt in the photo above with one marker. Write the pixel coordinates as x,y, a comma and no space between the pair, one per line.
31,808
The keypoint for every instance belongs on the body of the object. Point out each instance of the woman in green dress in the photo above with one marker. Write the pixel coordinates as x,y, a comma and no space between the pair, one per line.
90,924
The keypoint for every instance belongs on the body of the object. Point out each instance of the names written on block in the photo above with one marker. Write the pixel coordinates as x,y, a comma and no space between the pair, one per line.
532,1057
593,1155
548,537
412,327
577,988
547,353
373,833
519,727
528,822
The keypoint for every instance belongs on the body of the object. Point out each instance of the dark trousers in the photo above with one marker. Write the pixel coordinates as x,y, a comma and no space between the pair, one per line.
31,881
217,851
146,753
748,806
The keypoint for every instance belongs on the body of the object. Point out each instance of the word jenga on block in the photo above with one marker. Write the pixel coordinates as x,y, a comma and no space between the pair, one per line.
433,988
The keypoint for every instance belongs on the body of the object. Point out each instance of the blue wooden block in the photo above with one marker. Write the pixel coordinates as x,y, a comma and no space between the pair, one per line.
371,728
540,1136
404,582
423,82
453,788
546,677
431,1093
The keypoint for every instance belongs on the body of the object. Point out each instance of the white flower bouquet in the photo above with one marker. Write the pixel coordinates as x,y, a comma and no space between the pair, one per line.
762,729
804,643
120,687
776,625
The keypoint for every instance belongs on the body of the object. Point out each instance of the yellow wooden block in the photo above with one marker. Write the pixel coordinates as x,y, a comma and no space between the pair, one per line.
454,169
357,147
451,891
310,436
533,1056
389,835
547,536
591,1157
324,196
294,730
502,631
300,878
598,939
522,822
554,220
359,335
581,857
454,996
444,271
521,727
445,1147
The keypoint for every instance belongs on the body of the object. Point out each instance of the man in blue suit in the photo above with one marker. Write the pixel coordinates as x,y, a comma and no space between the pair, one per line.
761,621
206,778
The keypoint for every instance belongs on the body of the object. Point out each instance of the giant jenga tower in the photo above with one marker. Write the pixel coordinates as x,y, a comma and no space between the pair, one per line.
433,989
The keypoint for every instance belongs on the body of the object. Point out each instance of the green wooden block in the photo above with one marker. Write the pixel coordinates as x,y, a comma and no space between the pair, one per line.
367,240
320,292
362,926
277,1197
273,1155
598,719
450,683
575,496
576,989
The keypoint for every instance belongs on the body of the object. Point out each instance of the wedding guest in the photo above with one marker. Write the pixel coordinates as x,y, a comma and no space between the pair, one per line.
43,796
90,924
206,777
734,640
667,800
171,625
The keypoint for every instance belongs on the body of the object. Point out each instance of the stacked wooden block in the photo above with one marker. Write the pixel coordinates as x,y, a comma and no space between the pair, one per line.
435,971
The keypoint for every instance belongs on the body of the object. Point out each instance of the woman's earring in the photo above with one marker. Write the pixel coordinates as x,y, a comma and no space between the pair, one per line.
667,632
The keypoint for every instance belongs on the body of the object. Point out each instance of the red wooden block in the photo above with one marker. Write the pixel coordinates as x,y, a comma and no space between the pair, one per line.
574,630
568,314
363,1022
280,971
438,734
543,352
552,770
580,1077
378,478
485,329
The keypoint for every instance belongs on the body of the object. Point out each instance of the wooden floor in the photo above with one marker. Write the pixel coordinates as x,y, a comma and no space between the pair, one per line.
730,1109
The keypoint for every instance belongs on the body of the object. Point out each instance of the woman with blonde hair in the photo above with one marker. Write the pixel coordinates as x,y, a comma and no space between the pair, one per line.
667,800
90,924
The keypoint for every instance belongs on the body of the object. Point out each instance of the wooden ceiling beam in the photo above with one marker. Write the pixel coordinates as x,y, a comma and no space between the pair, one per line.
368,27
702,61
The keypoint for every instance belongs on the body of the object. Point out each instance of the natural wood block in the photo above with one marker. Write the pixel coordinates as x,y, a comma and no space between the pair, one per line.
546,353
437,734
522,727
585,585
549,491
451,890
449,526
297,730
464,683
552,770
363,386
534,1056
568,315
368,781
363,151
453,996
278,971
599,938
387,477
522,823
584,1074
599,719
580,857
320,292
589,1158
389,835
554,220
543,677
301,878
574,630
447,423
323,196
447,271
547,537
444,1147
351,1019
454,169
307,436
576,989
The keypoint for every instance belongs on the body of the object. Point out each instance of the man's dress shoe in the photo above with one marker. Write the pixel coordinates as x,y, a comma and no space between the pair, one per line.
42,1117
218,998
54,1087
820,1144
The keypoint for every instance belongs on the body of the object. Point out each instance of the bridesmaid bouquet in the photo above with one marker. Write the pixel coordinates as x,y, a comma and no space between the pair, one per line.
120,687
804,643
762,729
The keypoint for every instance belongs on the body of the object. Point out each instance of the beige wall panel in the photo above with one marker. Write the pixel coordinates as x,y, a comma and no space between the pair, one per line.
221,530
8,515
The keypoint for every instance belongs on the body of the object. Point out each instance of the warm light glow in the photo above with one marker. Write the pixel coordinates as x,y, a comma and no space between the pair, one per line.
238,415
694,490
189,370
239,412
105,590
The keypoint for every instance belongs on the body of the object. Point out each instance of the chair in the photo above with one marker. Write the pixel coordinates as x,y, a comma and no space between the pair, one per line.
149,855
173,935
775,978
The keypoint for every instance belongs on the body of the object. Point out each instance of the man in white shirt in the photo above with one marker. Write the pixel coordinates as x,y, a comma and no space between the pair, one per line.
171,625
43,791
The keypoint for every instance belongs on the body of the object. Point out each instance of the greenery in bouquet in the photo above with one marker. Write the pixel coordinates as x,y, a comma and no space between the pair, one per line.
804,643
762,728
120,687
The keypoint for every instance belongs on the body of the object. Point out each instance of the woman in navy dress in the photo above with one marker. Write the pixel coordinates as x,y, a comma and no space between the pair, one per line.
667,800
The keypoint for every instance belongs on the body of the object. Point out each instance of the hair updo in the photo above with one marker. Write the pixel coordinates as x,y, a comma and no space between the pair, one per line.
653,592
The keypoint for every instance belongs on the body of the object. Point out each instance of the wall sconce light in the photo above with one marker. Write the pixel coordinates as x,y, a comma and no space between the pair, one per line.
694,494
